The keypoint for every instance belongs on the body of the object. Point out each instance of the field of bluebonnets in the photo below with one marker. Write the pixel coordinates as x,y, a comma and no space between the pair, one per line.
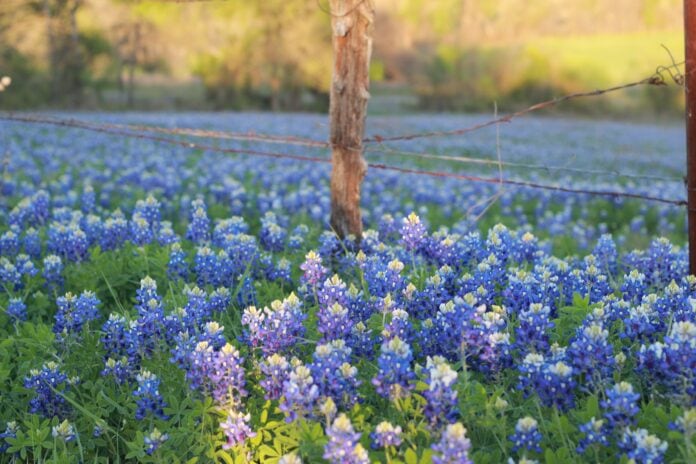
162,304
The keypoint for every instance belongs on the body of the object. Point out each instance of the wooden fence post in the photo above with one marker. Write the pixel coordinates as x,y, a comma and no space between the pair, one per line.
352,23
690,88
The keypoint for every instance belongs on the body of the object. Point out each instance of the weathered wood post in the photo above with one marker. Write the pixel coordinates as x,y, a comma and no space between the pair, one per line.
352,22
690,89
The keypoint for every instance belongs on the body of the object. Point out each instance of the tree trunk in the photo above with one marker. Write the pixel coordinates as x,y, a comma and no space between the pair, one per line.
76,64
352,22
52,52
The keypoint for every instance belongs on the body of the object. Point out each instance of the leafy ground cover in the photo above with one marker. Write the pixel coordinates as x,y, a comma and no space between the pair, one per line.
167,305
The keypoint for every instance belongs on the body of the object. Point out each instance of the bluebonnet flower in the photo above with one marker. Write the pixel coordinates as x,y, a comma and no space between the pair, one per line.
25,266
385,435
17,309
526,436
425,303
230,226
166,235
550,378
140,231
47,383
299,393
642,448
88,199
198,230
531,370
206,267
361,340
277,328
198,363
213,334
297,237
441,396
93,228
32,243
643,321
177,268
227,377
63,431
114,338
595,432
122,370
9,244
343,446
272,235
686,423
148,398
150,316
236,428
634,287
275,369
395,374
115,232
149,210
219,300
388,229
532,333
557,385
334,322
154,440
382,277
67,241
606,254
11,430
413,232
74,312
333,290
621,405
453,447
398,326
591,354
333,374
10,277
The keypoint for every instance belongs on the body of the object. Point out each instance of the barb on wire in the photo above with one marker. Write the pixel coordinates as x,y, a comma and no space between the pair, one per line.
189,145
656,79
674,70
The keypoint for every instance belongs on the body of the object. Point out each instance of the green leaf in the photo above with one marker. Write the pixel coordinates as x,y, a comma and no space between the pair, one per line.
410,456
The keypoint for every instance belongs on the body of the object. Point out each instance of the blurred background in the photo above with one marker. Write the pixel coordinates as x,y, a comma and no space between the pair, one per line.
429,55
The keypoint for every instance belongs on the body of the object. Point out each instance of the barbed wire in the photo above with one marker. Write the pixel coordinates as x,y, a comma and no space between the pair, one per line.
380,166
657,79
383,149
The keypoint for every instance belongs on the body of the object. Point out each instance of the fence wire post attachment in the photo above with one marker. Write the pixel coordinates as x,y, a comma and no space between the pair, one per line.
690,90
352,24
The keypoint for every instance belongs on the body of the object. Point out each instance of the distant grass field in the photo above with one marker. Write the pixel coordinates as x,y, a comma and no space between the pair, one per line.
607,59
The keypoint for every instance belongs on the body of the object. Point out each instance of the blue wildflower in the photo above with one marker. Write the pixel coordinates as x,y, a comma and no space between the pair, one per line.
453,447
148,398
154,440
526,436
343,446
